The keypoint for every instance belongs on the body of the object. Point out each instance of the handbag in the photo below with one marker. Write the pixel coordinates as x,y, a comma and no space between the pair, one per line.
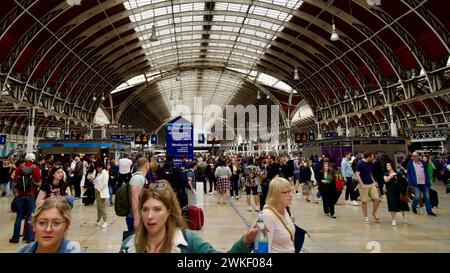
403,198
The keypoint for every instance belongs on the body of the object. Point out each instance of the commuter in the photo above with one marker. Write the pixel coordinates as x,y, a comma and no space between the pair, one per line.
394,183
251,184
125,165
54,186
235,172
327,187
113,173
419,179
101,193
162,229
273,170
280,226
349,177
51,222
137,183
297,171
27,189
223,175
367,187
309,179
210,170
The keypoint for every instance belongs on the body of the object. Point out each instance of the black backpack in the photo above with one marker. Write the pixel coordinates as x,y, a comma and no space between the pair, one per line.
24,180
168,172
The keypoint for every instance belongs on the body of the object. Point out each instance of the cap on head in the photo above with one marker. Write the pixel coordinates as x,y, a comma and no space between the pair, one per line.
30,157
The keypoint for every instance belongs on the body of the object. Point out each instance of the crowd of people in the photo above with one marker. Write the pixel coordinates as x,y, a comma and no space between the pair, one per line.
159,190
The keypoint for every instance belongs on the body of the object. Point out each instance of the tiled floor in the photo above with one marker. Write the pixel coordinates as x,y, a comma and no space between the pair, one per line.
223,226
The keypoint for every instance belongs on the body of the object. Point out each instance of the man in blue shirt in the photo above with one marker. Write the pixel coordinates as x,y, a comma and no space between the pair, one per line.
349,177
367,186
419,179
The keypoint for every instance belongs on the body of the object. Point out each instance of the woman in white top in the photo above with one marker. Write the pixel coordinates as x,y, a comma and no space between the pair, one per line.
101,192
280,226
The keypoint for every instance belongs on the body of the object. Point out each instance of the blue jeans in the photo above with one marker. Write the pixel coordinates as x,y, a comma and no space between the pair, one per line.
426,195
111,189
25,205
130,223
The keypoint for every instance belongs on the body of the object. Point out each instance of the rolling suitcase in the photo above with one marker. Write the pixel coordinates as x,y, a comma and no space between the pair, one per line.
196,218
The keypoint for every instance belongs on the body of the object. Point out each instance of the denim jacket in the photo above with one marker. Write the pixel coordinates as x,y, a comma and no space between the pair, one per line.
65,247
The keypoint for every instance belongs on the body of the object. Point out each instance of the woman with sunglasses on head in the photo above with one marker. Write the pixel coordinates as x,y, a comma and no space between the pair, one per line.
54,186
162,229
51,222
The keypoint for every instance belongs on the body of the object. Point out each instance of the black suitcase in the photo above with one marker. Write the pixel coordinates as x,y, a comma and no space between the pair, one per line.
434,200
88,196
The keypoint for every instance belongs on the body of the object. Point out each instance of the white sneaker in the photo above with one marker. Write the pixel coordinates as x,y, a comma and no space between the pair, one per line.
394,223
249,208
237,197
105,224
210,193
405,221
98,223
355,203
232,197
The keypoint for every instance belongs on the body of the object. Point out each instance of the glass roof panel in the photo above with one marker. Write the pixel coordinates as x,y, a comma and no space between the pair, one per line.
231,27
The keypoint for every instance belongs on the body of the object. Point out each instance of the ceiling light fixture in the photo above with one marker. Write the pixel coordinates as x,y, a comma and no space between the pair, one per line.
334,36
258,97
268,96
103,97
94,98
296,77
153,37
178,78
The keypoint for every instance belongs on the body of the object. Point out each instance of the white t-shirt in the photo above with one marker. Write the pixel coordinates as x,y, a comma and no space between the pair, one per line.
125,165
279,238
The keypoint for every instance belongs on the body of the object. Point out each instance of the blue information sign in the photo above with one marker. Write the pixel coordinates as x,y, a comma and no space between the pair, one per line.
180,139
154,139
311,136
330,135
2,139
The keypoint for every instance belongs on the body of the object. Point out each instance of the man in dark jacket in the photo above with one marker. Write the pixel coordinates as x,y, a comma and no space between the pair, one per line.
172,173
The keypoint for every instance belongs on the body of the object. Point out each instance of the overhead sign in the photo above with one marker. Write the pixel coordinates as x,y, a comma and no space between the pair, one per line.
141,139
123,138
311,136
330,135
2,139
154,139
180,139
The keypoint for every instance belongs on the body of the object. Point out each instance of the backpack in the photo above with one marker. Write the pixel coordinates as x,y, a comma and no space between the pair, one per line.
122,204
168,173
24,180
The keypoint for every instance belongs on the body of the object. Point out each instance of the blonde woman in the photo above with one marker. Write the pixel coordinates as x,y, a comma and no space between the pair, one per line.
280,226
162,229
50,222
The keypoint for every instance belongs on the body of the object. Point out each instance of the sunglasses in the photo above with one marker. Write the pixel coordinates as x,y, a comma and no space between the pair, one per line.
157,186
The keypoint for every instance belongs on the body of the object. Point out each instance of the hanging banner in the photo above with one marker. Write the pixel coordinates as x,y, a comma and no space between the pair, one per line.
180,139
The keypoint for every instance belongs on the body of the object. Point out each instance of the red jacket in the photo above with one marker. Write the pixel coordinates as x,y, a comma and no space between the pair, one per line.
36,178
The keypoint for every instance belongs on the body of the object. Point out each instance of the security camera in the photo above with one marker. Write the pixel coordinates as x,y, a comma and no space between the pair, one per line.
374,2
74,2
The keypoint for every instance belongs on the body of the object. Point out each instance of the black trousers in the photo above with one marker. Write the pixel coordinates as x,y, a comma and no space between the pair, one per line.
350,189
234,185
328,198
380,183
212,183
76,182
123,178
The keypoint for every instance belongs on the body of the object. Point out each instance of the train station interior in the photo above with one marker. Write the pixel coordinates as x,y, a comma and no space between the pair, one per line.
292,79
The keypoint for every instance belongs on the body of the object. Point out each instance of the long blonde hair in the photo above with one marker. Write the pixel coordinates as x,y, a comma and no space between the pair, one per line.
166,195
276,187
